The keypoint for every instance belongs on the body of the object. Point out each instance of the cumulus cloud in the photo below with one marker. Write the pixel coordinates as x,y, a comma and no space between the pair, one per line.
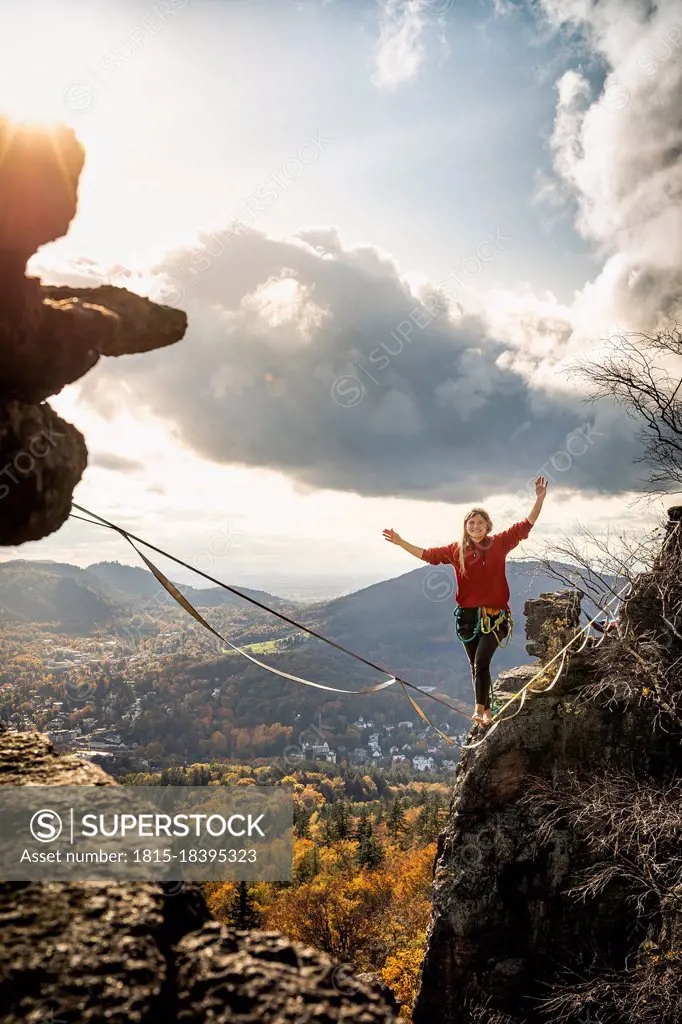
329,364
319,361
618,155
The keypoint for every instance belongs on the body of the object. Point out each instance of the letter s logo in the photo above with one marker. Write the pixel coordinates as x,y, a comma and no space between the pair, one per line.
46,826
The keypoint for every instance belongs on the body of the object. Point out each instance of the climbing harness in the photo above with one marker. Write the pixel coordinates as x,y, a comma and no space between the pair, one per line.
504,615
484,624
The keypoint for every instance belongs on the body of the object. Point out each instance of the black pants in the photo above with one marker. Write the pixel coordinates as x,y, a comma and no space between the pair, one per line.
480,652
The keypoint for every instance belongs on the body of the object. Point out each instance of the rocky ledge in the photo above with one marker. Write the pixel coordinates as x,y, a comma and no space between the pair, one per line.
135,954
51,337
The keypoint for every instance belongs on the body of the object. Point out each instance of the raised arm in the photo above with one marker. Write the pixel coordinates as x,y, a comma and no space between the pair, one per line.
394,538
541,492
435,556
510,538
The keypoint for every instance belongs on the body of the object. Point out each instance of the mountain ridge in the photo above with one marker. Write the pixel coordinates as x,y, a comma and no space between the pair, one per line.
58,593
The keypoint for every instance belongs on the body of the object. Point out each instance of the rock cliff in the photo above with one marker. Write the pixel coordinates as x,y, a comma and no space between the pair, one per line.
149,954
557,890
50,337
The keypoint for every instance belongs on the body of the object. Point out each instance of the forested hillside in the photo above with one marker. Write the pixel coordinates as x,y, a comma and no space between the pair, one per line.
136,663
364,844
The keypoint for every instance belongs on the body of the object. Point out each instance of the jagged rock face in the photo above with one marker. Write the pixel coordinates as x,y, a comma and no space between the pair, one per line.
138,953
77,326
642,609
44,459
240,977
542,616
672,544
50,337
504,924
387,992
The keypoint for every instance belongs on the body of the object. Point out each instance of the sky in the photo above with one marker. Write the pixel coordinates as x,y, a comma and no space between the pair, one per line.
396,226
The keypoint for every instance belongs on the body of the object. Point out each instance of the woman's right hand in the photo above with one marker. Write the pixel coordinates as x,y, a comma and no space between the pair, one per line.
392,537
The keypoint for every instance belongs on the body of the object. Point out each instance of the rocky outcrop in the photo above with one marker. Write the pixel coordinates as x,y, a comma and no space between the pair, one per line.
50,337
149,954
387,993
645,604
550,620
43,459
514,911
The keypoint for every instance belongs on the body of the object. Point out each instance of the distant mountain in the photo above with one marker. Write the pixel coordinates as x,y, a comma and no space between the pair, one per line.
134,581
405,624
75,600
56,594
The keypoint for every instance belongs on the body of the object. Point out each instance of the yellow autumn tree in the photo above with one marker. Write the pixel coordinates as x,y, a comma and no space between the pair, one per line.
338,913
220,897
401,973
412,873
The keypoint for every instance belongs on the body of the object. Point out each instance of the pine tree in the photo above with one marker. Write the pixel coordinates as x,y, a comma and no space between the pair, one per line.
308,866
440,814
370,851
429,821
327,832
301,821
363,826
424,824
242,911
340,820
395,821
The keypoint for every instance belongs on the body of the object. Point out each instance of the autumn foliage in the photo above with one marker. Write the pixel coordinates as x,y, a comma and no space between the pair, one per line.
362,875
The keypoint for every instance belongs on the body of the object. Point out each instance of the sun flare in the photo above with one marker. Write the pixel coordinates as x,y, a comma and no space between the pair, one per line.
43,51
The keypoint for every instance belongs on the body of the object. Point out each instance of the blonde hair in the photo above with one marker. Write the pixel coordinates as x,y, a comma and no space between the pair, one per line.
465,537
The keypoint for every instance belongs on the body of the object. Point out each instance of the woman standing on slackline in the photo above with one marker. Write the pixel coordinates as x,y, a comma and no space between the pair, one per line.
482,614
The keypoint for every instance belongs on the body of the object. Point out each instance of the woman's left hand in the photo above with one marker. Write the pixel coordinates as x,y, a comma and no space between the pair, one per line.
541,487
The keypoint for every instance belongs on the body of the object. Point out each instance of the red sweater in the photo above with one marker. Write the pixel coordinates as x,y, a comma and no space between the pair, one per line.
485,583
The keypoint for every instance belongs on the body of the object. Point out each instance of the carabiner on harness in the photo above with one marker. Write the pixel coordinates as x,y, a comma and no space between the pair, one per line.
484,624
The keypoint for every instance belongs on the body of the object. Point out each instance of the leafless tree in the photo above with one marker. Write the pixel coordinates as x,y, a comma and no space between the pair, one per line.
632,827
643,374
600,566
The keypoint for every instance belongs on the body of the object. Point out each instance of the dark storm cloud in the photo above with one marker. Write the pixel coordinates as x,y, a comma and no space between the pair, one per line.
319,362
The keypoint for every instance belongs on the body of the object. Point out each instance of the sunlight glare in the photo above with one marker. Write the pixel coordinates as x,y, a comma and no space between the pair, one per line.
42,49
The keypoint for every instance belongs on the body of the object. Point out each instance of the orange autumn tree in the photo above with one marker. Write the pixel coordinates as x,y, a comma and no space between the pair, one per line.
412,873
374,919
362,871
337,913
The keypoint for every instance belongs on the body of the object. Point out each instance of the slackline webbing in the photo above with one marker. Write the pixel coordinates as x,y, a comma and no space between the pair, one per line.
526,688
189,608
